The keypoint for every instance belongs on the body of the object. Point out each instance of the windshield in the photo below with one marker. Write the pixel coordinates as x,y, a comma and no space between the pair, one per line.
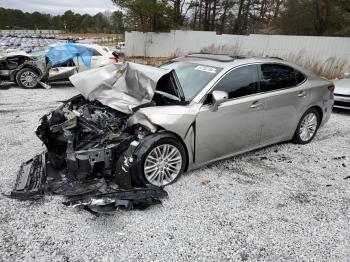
192,77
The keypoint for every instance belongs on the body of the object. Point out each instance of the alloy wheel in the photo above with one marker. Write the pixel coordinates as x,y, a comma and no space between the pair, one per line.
28,79
163,165
308,127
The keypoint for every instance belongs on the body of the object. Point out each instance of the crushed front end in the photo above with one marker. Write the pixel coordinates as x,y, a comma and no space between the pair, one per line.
89,152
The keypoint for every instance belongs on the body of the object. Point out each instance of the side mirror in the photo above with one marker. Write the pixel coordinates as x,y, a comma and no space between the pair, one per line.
219,97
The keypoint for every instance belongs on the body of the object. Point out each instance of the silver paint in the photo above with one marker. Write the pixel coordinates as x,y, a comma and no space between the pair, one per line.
235,126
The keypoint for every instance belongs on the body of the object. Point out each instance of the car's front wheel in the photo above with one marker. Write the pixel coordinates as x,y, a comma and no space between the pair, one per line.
307,127
27,78
162,159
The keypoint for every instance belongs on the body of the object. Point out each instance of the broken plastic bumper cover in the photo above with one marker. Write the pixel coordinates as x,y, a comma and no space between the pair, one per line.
31,178
98,195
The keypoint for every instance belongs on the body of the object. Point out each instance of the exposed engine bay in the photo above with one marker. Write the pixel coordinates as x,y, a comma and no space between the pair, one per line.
91,154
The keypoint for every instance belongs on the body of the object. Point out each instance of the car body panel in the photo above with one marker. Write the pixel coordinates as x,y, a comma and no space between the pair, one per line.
233,127
282,114
342,93
121,86
60,73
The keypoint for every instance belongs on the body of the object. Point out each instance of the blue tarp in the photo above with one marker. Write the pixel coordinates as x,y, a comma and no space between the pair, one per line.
65,52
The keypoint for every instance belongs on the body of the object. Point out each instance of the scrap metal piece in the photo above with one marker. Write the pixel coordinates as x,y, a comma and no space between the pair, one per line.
31,179
136,198
124,86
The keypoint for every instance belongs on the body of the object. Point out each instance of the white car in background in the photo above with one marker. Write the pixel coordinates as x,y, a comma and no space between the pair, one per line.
102,56
342,92
121,47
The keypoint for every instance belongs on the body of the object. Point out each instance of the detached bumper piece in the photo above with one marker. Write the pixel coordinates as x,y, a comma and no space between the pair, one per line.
137,198
94,194
31,179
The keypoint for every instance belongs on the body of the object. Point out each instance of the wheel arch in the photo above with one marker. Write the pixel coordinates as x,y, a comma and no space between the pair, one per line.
177,137
320,112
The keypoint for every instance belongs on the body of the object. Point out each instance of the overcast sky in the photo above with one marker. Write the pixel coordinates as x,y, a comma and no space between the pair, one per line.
60,6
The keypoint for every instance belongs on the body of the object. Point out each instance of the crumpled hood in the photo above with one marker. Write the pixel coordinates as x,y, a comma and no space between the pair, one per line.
342,86
120,86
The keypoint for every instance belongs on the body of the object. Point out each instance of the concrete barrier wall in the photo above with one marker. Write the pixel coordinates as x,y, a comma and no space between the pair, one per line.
329,56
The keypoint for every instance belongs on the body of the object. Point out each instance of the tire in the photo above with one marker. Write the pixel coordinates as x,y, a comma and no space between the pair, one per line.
166,171
27,78
304,135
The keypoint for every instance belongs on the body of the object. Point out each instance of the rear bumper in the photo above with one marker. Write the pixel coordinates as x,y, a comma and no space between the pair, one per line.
341,101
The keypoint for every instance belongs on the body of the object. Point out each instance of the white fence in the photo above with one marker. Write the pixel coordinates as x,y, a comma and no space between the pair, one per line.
325,55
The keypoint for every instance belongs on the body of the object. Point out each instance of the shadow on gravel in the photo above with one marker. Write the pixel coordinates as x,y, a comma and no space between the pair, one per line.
341,111
6,86
62,84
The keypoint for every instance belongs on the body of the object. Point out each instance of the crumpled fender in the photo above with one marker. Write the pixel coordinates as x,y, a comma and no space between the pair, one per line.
176,119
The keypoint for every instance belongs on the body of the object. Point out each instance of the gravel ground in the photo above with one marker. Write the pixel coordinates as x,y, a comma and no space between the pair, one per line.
282,203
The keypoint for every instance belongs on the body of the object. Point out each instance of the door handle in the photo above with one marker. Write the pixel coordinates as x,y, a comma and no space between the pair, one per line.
256,105
302,94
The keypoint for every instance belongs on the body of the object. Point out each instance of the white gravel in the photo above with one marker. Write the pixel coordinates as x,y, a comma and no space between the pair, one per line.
283,203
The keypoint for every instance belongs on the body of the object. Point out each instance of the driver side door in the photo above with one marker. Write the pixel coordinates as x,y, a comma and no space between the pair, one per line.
236,126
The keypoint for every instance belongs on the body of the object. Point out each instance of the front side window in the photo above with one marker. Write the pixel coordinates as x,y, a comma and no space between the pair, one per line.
240,82
275,77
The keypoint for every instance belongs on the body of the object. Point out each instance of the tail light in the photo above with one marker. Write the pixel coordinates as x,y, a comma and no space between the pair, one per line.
331,88
114,58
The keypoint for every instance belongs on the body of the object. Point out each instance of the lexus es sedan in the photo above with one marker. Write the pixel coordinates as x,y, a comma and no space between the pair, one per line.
142,125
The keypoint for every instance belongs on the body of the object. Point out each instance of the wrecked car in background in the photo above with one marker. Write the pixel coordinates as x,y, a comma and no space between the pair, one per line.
23,69
139,126
58,63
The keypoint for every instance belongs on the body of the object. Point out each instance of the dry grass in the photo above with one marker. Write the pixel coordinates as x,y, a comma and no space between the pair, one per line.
330,68
153,61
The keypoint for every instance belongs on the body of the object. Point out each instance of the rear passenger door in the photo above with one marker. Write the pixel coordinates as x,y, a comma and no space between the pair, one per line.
286,99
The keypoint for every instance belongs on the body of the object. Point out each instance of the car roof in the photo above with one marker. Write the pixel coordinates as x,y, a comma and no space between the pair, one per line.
227,62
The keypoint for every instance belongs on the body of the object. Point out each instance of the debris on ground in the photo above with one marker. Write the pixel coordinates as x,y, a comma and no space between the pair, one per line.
205,182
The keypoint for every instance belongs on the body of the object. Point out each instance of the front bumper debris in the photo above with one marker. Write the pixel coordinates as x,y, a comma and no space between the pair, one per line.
38,177
31,179
89,160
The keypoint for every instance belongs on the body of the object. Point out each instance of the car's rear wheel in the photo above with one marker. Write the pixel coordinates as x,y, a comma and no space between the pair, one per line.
27,78
307,127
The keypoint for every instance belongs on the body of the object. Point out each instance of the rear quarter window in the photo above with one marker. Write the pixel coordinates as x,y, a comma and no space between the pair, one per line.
276,76
96,53
300,77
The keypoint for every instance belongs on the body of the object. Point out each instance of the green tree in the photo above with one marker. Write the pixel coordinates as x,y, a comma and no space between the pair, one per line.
148,15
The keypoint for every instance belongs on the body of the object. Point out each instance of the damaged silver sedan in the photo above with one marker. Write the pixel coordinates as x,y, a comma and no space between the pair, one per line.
138,126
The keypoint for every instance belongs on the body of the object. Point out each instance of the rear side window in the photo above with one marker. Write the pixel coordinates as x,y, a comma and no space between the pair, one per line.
275,77
300,77
96,53
240,82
